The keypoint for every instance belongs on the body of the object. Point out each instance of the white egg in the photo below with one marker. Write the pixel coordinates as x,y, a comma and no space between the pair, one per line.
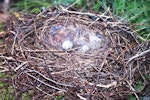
84,48
67,44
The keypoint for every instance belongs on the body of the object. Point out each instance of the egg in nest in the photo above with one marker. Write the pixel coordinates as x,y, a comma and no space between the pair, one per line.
70,37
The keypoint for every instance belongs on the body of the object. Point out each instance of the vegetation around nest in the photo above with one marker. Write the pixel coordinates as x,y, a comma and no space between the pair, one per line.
133,11
42,71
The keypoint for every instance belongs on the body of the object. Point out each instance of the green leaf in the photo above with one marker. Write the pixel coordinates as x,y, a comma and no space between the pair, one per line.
140,86
96,7
35,10
80,3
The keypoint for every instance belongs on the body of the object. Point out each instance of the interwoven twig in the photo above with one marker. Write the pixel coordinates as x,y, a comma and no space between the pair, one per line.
44,71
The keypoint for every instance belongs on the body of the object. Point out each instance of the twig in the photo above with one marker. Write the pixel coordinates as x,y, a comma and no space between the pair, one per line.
89,5
81,97
7,58
50,79
21,65
5,70
104,86
13,45
43,91
130,33
98,74
45,83
133,90
138,55
84,13
72,4
141,38
58,51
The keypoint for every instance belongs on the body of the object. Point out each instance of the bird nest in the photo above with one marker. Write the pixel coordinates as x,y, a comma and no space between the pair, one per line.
73,55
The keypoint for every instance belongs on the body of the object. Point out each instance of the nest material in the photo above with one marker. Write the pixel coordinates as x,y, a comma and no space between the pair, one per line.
44,70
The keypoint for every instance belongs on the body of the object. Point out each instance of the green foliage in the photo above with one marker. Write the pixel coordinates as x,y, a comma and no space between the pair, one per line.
97,5
136,12
81,3
148,75
5,89
25,97
66,2
59,97
63,2
139,85
32,6
1,27
131,97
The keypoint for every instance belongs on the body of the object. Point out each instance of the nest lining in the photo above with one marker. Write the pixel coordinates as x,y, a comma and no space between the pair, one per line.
43,67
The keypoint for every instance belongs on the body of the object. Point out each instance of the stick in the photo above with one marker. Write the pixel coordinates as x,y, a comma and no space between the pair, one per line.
104,86
138,55
45,83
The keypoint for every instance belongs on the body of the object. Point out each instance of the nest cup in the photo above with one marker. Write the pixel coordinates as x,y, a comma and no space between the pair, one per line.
98,61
